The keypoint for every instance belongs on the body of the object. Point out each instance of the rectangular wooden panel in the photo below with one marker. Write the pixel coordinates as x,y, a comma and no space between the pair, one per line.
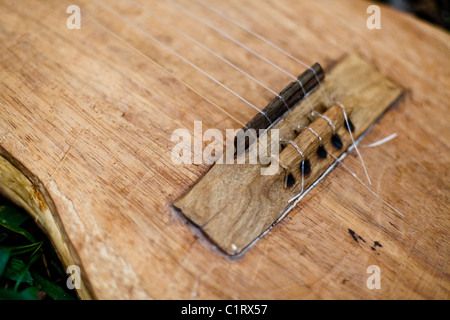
234,204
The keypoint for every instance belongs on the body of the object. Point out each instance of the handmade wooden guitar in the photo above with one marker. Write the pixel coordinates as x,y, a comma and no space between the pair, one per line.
91,100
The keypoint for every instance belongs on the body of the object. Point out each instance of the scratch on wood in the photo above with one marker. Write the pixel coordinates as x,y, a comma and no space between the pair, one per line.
66,153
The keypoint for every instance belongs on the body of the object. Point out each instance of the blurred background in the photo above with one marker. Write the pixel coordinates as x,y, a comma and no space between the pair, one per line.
434,11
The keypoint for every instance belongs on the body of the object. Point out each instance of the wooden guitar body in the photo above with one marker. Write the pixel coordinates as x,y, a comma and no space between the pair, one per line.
86,121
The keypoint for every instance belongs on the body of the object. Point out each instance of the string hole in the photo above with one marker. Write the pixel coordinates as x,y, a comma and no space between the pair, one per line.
350,126
337,142
321,152
289,180
306,167
283,146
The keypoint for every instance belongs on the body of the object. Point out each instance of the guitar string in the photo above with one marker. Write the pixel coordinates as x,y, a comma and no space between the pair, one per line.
381,141
184,9
181,57
270,43
187,61
324,117
353,141
267,41
285,212
130,46
211,51
366,186
193,15
351,172
303,164
234,40
312,131
144,55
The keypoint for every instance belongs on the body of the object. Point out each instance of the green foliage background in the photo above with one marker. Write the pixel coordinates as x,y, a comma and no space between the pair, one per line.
29,267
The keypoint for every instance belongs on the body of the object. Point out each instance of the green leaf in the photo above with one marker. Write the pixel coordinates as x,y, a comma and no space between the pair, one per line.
27,294
4,258
11,219
18,230
33,259
16,250
13,216
53,290
17,270
3,236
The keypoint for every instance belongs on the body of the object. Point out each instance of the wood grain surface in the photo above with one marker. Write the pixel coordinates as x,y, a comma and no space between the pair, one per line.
87,116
